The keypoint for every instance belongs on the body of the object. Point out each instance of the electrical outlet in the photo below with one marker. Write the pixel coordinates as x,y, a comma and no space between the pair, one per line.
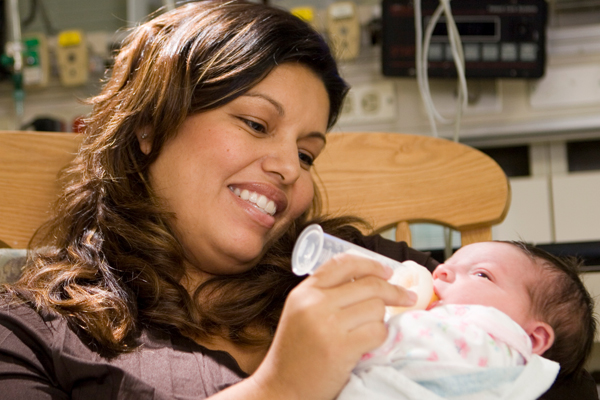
343,28
36,71
370,104
566,86
72,55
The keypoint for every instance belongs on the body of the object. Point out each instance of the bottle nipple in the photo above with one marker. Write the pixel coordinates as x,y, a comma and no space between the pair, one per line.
418,279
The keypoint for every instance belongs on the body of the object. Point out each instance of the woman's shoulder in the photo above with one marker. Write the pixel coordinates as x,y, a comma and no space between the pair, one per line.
21,318
25,346
43,348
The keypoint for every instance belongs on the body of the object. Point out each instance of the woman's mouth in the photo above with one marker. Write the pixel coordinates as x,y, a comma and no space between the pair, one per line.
259,201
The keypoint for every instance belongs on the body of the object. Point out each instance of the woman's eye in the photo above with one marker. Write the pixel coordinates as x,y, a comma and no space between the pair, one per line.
306,159
482,275
255,126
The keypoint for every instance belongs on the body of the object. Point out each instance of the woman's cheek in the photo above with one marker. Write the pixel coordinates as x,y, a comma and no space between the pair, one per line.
307,193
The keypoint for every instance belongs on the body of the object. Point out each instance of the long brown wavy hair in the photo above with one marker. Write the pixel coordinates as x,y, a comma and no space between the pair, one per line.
108,261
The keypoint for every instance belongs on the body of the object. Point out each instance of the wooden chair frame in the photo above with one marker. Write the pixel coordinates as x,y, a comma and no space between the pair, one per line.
29,164
393,180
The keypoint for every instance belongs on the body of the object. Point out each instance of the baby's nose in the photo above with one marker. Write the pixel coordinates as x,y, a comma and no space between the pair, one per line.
441,272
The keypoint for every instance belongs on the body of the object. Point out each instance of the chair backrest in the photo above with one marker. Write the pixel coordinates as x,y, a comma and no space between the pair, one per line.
29,164
389,179
392,180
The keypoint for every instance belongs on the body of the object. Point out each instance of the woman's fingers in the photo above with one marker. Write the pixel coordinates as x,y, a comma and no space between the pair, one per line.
370,287
350,279
328,322
361,313
348,267
366,336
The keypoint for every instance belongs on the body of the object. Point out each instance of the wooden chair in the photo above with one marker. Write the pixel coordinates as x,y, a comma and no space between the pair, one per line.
29,164
393,180
388,179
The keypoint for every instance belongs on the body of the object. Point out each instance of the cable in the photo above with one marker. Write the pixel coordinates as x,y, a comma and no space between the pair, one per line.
459,57
32,13
47,23
422,70
421,58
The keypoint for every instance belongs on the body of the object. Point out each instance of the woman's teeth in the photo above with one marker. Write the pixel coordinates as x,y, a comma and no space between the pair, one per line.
260,201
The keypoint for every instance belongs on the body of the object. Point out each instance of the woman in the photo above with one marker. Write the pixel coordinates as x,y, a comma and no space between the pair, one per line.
196,161
165,271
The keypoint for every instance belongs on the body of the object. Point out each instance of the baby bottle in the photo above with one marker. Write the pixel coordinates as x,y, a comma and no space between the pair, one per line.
314,247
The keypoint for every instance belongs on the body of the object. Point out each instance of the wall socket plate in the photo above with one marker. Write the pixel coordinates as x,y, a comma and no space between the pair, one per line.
72,55
566,86
370,103
343,29
36,70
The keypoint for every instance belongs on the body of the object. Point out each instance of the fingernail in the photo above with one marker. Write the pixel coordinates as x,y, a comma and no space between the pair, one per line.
412,296
389,270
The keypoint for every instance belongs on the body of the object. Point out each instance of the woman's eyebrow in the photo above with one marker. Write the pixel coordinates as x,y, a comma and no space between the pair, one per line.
317,135
271,100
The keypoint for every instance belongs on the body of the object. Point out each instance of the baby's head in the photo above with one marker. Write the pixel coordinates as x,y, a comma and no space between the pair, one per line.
541,292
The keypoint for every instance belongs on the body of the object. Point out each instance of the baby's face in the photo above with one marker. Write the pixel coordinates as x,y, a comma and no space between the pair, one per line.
491,274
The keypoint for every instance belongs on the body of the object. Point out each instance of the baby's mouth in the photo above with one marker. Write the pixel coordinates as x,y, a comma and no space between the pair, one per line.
259,201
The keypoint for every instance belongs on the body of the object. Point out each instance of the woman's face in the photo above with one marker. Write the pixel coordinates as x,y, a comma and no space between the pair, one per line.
235,177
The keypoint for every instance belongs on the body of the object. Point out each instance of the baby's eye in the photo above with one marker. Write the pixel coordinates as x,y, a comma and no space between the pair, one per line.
255,125
306,159
482,275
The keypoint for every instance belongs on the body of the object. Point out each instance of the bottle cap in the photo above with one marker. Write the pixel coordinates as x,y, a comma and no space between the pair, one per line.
305,257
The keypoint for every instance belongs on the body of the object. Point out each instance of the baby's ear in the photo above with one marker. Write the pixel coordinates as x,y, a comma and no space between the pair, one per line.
144,137
541,335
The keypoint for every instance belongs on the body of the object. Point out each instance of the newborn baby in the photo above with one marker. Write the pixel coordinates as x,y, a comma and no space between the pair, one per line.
470,336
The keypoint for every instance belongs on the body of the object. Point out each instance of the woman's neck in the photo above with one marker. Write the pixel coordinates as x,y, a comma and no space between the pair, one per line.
247,357
193,278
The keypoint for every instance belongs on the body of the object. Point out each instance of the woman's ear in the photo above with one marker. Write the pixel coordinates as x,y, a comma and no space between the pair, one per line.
144,137
542,337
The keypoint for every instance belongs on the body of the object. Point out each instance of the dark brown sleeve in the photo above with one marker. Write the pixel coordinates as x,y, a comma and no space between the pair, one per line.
25,358
575,387
42,359
399,251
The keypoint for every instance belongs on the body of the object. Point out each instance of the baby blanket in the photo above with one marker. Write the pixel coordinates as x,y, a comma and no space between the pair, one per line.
452,352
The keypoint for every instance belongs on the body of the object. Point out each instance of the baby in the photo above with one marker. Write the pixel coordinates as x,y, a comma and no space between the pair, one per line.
502,305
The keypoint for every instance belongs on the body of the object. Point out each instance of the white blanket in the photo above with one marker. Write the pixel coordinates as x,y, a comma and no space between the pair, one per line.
452,352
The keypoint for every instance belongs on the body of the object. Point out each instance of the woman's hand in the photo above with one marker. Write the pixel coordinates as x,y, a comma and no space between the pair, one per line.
329,321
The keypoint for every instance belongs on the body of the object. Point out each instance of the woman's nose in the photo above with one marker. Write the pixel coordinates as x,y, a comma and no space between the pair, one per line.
443,273
284,163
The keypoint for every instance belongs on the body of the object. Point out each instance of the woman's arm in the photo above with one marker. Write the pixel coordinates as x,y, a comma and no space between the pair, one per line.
25,356
329,321
578,386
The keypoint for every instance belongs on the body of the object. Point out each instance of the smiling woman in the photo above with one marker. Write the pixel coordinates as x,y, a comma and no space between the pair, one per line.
250,154
164,271
173,233
200,101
